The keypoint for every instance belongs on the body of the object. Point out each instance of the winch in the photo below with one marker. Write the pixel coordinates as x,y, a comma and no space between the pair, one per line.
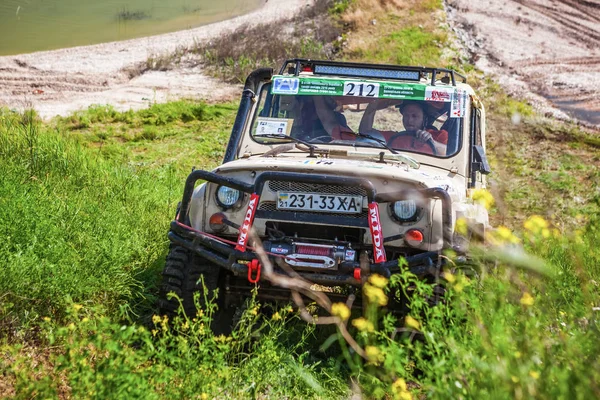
312,256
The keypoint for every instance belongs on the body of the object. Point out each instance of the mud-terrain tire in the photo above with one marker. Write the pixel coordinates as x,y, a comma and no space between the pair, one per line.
182,275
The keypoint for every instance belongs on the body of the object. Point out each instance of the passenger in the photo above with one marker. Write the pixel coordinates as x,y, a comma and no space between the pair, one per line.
417,132
301,109
333,121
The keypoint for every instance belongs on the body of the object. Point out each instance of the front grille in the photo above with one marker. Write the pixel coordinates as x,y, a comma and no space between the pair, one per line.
281,186
271,206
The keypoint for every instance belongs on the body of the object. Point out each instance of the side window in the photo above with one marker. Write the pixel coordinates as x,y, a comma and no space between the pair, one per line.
265,102
477,128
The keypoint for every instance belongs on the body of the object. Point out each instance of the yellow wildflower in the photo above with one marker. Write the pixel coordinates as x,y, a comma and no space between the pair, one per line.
71,326
156,319
501,236
204,396
375,295
363,325
514,379
276,316
411,322
534,374
545,233
506,235
483,197
254,311
340,310
373,354
400,390
378,281
85,319
221,339
555,233
449,277
462,226
536,225
47,319
77,307
164,323
527,299
517,354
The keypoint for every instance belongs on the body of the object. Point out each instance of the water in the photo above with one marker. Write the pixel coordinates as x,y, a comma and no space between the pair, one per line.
578,109
32,25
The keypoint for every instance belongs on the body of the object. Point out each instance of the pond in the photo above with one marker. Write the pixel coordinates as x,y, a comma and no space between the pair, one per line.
33,25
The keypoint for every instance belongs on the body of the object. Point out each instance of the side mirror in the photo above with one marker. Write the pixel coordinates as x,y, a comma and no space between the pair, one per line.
480,162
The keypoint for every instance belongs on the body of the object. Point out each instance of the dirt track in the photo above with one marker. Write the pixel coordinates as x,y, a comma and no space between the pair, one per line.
65,80
547,51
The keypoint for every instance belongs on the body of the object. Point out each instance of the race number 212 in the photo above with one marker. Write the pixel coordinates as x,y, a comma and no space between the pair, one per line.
361,89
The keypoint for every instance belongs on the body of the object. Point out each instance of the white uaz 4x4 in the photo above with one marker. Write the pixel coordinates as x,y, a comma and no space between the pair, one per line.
341,169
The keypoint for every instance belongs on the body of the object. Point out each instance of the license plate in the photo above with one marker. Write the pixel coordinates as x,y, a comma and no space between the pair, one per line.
318,202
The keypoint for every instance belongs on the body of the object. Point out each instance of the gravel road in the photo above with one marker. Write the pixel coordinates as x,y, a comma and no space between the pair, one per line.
547,51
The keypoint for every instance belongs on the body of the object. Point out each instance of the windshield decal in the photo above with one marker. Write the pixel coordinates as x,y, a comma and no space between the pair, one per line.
273,126
458,107
307,86
285,85
438,94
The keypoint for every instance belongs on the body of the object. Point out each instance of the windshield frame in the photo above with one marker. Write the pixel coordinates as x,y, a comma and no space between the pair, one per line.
266,90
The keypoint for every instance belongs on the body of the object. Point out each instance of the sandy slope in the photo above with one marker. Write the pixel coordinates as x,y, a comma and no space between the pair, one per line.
65,80
547,51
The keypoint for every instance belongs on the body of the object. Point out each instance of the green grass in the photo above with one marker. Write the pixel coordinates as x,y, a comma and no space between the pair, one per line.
409,46
85,216
182,133
84,227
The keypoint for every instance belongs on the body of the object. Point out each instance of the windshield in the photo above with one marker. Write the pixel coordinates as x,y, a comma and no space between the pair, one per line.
405,125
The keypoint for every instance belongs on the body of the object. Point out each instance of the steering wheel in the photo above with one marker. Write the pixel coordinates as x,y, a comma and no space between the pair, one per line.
411,133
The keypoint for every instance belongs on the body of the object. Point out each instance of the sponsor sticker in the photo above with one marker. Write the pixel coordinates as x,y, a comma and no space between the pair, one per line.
247,224
346,87
458,108
376,233
285,85
318,162
438,94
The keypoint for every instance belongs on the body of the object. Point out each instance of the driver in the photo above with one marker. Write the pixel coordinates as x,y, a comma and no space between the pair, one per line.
416,134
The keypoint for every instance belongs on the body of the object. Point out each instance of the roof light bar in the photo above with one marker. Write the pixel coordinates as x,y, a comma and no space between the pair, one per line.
367,72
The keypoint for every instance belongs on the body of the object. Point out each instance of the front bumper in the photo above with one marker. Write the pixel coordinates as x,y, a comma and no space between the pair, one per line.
235,257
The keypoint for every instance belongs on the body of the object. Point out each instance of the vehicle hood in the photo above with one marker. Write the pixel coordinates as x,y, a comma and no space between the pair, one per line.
379,173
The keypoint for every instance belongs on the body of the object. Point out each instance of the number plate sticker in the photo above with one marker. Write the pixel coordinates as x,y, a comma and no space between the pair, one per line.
361,89
332,203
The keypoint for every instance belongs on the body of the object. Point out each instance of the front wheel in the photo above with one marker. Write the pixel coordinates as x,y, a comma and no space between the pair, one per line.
183,275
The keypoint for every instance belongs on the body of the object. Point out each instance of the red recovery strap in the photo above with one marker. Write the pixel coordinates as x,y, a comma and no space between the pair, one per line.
247,224
376,234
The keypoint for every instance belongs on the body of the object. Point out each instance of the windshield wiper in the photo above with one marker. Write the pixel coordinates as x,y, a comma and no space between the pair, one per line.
282,149
284,136
375,139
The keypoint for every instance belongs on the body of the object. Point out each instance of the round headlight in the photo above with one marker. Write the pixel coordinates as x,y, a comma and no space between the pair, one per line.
405,210
227,197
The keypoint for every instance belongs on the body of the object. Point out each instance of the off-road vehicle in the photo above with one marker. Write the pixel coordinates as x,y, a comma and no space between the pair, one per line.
341,169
